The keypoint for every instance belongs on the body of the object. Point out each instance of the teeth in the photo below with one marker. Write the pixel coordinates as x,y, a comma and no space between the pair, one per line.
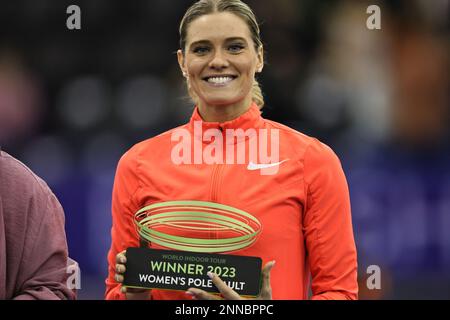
219,80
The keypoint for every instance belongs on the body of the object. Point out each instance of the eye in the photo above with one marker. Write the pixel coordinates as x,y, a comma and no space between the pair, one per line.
236,48
200,50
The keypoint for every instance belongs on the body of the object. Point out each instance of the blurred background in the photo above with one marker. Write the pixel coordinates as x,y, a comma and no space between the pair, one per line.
73,101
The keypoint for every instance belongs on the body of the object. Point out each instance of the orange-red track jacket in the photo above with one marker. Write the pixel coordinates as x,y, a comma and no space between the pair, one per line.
303,209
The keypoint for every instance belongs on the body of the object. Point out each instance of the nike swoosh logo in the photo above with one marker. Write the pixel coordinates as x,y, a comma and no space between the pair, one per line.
257,166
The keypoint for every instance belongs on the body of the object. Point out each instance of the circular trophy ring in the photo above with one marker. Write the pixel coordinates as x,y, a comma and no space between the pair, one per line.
160,223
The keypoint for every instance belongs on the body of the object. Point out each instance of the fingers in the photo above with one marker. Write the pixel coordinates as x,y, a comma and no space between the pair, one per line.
226,291
121,257
120,266
230,294
266,289
198,294
121,260
118,278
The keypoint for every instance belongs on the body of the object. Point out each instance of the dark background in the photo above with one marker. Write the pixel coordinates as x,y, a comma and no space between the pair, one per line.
73,101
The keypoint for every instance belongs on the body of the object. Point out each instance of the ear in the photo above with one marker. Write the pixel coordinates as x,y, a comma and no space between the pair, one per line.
181,63
260,63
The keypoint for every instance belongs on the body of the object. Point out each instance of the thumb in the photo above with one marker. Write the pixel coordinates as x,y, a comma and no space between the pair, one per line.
266,289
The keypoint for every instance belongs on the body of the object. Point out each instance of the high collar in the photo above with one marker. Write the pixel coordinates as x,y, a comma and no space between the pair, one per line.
250,119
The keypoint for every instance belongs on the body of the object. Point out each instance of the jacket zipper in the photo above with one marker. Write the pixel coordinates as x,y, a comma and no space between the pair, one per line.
216,178
217,174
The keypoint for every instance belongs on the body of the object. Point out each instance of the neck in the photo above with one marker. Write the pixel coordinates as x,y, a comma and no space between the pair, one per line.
223,113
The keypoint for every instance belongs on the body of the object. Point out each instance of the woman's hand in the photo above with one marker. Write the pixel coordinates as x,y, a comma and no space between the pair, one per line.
131,293
230,294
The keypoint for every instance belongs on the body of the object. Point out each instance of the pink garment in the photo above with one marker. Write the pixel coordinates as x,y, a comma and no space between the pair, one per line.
33,247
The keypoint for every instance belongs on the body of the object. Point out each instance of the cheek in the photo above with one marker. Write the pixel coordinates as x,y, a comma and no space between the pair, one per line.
194,67
247,70
246,66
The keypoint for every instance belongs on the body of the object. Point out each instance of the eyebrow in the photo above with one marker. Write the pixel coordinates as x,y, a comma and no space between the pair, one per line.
226,40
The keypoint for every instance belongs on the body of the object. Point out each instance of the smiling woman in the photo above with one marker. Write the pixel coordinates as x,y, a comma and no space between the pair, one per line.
220,52
298,215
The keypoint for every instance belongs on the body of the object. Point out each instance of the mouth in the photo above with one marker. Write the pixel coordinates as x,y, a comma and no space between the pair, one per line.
219,80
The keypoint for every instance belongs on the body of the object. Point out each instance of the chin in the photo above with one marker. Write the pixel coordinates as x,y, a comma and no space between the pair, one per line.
222,102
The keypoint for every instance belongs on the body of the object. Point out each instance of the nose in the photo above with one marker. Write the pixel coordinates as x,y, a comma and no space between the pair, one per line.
218,60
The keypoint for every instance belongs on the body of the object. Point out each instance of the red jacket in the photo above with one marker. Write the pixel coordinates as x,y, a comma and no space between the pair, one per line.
303,209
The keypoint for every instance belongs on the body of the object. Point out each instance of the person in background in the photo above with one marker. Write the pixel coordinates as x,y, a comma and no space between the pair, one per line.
33,249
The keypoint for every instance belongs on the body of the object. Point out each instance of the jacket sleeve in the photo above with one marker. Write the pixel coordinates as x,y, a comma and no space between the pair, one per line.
327,226
43,269
123,233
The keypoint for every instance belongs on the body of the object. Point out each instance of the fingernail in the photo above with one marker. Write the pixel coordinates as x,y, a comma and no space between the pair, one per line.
122,260
210,275
189,293
273,263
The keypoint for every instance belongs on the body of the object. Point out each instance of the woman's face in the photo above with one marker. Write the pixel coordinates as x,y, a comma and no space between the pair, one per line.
220,60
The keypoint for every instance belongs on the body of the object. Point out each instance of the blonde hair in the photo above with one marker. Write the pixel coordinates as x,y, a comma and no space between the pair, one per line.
237,7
